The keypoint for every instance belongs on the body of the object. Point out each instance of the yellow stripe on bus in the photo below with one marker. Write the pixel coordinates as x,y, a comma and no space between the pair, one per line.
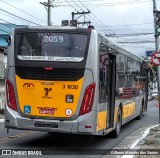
128,110
115,113
101,120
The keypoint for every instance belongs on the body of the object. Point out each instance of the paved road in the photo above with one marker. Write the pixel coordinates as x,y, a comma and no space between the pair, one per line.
42,140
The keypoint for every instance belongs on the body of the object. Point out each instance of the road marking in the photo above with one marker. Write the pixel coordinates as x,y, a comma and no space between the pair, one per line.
1,120
135,144
10,138
15,135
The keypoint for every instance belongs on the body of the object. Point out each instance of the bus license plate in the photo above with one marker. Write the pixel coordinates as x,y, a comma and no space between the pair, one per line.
46,124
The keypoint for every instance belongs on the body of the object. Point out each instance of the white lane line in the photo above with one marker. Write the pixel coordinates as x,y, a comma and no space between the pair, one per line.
144,135
1,120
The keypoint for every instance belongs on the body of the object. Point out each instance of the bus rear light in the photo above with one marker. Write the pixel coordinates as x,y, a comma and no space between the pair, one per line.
88,98
48,68
87,126
11,101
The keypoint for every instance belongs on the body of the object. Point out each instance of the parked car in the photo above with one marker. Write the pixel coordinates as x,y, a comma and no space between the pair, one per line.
150,97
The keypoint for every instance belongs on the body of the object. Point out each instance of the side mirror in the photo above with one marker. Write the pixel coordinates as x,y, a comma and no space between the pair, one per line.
9,39
102,47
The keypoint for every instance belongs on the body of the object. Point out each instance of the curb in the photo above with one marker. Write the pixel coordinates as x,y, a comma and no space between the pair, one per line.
130,142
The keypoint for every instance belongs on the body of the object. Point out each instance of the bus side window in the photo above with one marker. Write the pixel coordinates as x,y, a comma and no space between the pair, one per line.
103,78
120,77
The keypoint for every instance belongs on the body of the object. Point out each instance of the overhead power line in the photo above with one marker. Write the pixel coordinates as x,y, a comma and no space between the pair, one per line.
134,46
86,1
136,42
6,28
8,22
98,20
104,30
133,34
95,16
82,13
4,31
112,4
23,11
10,17
102,23
58,2
71,5
129,25
19,17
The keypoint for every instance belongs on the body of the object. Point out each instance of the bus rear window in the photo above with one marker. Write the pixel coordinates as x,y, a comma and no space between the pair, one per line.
51,46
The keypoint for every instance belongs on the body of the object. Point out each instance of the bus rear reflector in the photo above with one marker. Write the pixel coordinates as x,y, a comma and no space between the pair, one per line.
88,98
11,101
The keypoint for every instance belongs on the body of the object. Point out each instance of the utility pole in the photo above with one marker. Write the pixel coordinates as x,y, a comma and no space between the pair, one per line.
81,13
48,8
157,50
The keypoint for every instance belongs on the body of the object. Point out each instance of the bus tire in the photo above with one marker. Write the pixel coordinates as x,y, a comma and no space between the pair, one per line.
141,113
117,130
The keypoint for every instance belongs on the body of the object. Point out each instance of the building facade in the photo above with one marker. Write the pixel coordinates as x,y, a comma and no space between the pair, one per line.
3,59
5,29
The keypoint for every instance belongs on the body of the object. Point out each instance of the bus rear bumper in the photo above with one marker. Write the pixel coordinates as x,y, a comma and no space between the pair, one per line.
84,124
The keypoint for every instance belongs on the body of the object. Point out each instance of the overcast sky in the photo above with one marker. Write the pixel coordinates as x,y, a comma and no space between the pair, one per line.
138,17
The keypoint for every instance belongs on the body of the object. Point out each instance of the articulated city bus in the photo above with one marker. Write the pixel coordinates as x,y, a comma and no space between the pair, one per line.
72,80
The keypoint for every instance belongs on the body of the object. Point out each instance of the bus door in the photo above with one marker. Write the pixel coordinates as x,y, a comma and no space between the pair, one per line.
111,90
107,87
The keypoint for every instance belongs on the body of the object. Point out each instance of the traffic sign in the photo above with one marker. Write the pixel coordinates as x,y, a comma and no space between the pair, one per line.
149,53
155,58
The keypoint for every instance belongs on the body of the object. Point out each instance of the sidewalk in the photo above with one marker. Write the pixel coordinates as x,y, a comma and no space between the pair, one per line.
151,141
144,142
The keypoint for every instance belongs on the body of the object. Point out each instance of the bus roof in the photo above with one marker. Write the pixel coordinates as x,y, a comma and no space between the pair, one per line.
54,28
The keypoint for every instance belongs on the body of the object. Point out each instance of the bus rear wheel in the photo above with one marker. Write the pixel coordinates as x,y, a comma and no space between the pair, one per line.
117,130
141,113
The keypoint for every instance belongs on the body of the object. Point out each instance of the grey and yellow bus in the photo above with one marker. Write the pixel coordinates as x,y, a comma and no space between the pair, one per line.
72,80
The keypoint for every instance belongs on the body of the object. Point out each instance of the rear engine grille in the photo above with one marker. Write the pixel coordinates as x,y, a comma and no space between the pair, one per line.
57,74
